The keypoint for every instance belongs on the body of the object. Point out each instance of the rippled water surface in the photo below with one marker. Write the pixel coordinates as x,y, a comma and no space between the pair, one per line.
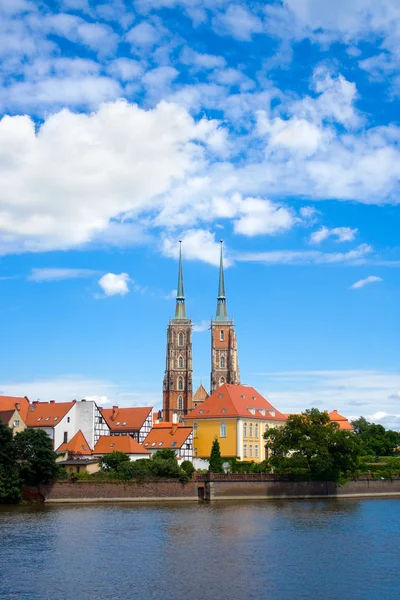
319,550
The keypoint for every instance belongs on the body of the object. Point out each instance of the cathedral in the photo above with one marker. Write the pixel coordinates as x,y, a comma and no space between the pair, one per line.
178,397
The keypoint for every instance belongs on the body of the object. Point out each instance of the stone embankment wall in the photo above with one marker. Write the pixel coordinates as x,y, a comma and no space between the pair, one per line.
65,491
213,488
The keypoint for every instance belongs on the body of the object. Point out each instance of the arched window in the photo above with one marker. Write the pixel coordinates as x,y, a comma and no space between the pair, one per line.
222,362
222,335
245,430
251,430
222,430
256,426
180,403
180,384
180,362
221,380
180,339
195,430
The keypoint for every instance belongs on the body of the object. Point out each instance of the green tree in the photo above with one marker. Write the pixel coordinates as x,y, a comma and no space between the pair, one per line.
36,457
10,484
216,462
114,462
188,467
375,439
165,464
312,447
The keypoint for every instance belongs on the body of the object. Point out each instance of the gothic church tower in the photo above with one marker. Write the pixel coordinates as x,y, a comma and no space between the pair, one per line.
177,389
224,359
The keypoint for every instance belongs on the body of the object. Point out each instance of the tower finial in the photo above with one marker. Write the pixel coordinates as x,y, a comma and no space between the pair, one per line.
180,310
222,314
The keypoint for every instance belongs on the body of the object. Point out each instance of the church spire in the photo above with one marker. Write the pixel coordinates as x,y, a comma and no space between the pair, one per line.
222,314
180,310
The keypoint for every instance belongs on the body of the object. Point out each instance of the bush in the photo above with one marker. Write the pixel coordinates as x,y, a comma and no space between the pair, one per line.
188,467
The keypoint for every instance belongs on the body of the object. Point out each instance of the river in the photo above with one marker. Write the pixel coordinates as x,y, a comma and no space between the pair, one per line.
283,550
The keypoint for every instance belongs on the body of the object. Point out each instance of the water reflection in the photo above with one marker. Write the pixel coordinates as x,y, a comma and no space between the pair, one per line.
280,550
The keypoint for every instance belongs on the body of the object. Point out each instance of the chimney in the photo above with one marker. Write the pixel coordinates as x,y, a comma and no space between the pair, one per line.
18,406
52,401
114,413
174,428
35,402
174,418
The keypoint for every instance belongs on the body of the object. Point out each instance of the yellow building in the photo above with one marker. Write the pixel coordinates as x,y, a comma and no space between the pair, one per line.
13,419
238,416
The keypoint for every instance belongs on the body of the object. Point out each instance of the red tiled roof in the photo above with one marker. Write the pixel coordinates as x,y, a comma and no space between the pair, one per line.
236,401
118,443
201,394
76,445
126,419
11,402
47,414
6,416
167,435
340,420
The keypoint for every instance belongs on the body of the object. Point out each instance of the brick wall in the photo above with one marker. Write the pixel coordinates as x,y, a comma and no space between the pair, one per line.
65,490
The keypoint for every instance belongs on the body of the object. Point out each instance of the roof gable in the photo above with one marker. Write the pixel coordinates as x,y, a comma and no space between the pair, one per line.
118,443
343,422
233,401
15,402
77,445
167,435
7,415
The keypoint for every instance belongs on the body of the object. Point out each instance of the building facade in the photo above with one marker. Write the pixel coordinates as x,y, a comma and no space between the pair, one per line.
173,436
177,386
224,358
238,416
136,422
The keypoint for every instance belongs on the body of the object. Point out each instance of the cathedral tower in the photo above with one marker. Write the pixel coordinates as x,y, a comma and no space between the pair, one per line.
177,389
224,360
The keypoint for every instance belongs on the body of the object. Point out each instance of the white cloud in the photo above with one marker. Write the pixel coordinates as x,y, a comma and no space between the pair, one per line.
357,256
294,134
259,217
88,171
197,244
58,274
342,234
202,326
362,282
115,285
143,35
238,22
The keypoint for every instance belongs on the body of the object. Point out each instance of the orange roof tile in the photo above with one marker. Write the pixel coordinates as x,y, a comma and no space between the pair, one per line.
126,419
340,420
76,445
47,414
12,402
118,443
236,401
169,436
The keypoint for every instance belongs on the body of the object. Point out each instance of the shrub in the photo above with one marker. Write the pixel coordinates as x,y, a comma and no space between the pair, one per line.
188,467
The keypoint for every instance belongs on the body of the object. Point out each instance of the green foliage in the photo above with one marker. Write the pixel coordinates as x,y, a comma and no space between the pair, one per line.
36,457
216,462
375,439
188,467
114,461
10,484
309,446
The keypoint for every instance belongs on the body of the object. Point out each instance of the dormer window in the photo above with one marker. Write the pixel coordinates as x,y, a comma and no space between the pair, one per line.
252,410
262,411
272,413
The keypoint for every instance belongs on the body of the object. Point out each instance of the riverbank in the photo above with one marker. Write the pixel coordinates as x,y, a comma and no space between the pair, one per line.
213,489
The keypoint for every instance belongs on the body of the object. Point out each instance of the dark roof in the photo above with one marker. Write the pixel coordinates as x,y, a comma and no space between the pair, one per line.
6,416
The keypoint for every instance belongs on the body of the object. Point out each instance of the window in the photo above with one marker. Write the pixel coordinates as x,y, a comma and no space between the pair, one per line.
173,444
221,380
47,418
16,423
180,339
256,427
180,384
222,362
272,413
196,430
65,437
153,443
262,411
160,443
68,419
201,411
180,362
245,451
180,403
222,335
195,451
222,430
256,451
251,430
245,430
223,410
252,410
251,450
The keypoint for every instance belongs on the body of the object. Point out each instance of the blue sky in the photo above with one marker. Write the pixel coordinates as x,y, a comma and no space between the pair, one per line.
274,126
